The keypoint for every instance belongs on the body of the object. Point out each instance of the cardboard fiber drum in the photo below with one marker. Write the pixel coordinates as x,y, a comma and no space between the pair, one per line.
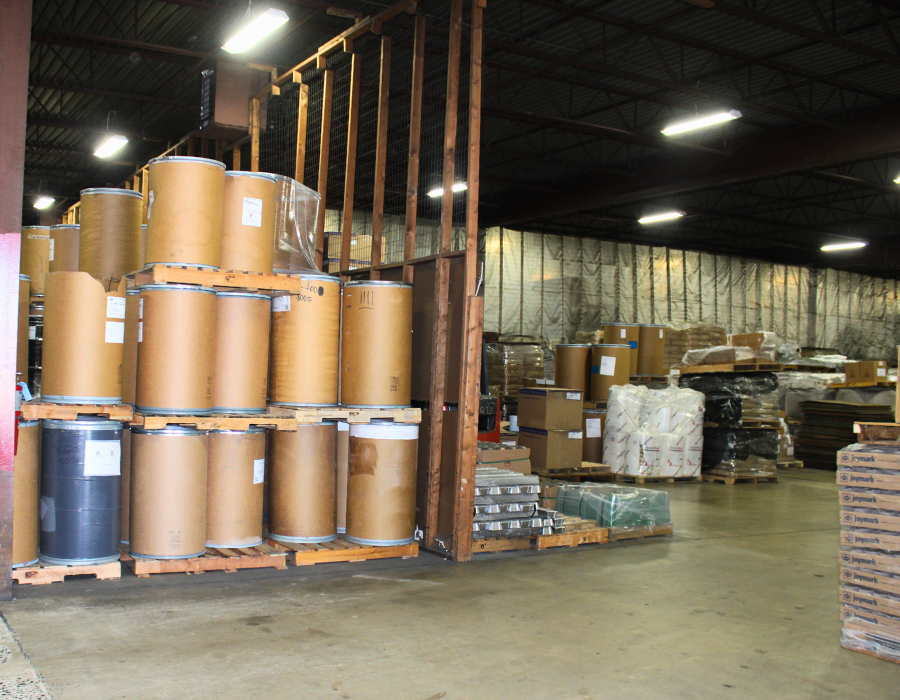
176,341
22,329
84,334
64,244
110,232
573,367
610,366
343,472
651,349
302,481
27,495
592,423
34,257
234,498
241,365
376,344
303,369
381,491
184,211
248,223
129,351
626,334
125,499
168,493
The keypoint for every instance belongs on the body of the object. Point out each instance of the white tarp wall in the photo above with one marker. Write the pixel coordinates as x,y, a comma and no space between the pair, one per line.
546,287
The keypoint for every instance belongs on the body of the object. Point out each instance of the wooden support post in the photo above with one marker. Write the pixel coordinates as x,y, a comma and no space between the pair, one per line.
204,148
302,124
236,158
384,87
450,119
415,132
350,170
324,146
254,135
190,146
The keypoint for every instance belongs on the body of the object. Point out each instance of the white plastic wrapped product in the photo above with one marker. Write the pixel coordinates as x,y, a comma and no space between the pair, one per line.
615,445
693,454
642,456
671,454
660,418
617,419
631,400
296,212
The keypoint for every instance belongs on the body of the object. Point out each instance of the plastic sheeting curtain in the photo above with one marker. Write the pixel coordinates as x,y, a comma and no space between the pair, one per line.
548,287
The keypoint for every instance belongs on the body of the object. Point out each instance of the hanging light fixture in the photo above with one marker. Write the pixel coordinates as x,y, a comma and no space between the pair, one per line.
457,187
112,143
701,122
849,245
663,216
256,30
43,202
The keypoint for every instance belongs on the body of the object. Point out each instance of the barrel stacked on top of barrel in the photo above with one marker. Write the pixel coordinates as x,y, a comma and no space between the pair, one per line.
176,349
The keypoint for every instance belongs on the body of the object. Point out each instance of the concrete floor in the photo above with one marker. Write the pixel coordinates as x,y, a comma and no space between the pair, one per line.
741,603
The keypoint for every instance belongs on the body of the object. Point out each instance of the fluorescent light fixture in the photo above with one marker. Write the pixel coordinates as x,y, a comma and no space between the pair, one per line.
110,146
43,202
457,187
665,216
897,179
849,245
262,26
701,122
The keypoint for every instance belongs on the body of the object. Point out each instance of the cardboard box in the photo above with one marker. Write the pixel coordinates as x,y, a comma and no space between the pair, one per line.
531,381
491,452
875,621
870,600
550,409
552,449
882,500
886,541
875,561
871,519
870,479
868,371
877,580
753,341
869,456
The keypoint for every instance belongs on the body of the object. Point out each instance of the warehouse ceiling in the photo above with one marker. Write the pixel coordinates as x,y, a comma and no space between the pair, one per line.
575,96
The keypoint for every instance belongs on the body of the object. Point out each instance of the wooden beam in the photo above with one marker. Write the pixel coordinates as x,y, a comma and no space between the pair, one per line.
204,148
415,133
302,124
236,158
384,87
474,157
350,169
324,146
254,135
450,120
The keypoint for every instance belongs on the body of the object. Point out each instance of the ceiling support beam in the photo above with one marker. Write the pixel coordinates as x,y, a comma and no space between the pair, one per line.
101,128
113,93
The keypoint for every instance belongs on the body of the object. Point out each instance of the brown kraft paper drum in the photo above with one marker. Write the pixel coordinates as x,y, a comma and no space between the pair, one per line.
303,365
64,245
34,257
343,472
302,483
184,211
27,495
84,333
241,362
248,223
234,501
376,344
381,491
176,341
651,349
592,435
168,493
125,481
129,352
573,368
110,232
22,329
624,334
610,366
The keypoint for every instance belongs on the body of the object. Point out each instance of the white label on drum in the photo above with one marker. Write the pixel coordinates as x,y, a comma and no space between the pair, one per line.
32,332
882,372
150,204
115,307
385,431
52,249
251,215
140,331
343,427
660,332
622,331
102,457
115,331
592,427
573,395
574,435
608,366
259,470
282,303
141,307
37,237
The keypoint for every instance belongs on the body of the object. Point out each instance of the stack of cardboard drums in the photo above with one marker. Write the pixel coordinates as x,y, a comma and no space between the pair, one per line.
185,351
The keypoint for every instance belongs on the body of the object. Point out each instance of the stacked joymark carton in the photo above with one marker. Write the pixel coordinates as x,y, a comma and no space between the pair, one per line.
868,478
550,426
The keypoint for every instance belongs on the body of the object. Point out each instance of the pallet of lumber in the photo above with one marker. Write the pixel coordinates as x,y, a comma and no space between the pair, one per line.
37,410
828,426
877,433
263,556
39,574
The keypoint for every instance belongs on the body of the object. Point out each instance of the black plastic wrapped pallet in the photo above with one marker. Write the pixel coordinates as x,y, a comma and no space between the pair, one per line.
738,445
731,383
724,411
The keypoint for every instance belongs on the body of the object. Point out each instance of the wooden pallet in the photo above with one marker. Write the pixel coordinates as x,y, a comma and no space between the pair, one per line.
353,415
862,385
790,464
617,534
36,410
800,367
649,379
275,420
878,433
262,556
500,544
734,367
732,480
39,574
185,274
595,405
341,550
631,479
599,535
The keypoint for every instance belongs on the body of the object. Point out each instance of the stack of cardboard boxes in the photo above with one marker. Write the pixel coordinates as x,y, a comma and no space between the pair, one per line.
681,339
550,426
869,480
499,456
867,372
